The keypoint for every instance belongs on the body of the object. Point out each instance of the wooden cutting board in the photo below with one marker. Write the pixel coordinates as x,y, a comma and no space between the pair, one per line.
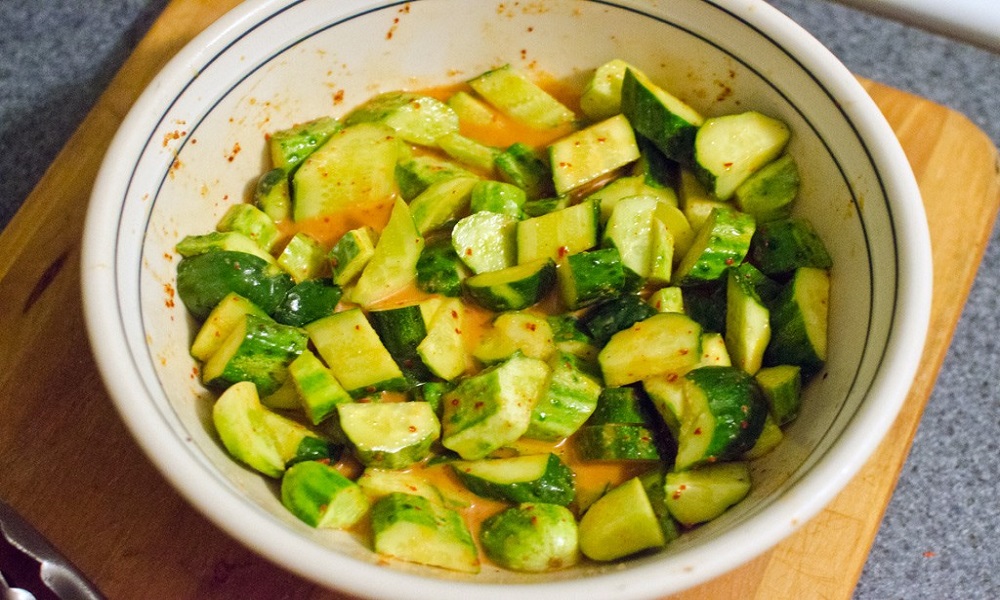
68,464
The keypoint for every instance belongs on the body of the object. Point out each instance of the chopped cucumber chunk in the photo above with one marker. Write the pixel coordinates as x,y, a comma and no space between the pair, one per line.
533,537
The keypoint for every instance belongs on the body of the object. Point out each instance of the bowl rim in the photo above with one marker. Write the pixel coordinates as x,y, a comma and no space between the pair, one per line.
815,489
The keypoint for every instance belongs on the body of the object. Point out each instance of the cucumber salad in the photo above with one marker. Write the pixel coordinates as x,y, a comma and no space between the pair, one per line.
498,324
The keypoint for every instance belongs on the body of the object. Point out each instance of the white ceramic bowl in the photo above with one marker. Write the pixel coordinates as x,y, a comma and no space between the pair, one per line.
196,137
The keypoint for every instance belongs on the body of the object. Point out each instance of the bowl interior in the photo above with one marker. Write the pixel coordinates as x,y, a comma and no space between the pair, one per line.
196,141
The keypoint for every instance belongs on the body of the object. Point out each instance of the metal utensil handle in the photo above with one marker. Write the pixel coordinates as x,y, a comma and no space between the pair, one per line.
974,21
55,571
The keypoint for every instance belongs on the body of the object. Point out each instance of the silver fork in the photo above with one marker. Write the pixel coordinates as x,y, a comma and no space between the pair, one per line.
54,571
13,593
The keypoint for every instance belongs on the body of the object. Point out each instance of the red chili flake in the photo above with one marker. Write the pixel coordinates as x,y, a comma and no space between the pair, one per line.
478,404
458,331
930,554
169,289
563,251
683,351
744,424
727,165
697,431
454,402
730,261
236,150
412,428
530,326
468,251
454,314
671,377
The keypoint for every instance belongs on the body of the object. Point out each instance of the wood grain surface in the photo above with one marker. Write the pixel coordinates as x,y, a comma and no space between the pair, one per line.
68,464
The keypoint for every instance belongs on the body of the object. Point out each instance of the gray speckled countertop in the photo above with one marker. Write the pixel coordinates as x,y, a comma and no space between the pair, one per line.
938,539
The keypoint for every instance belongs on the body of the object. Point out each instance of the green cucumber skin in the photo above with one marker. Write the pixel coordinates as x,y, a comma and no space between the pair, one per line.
781,246
304,258
723,242
442,203
702,494
401,331
622,405
414,175
654,167
289,147
319,495
263,355
533,537
511,92
498,197
485,241
513,295
319,391
220,322
440,270
261,438
748,327
587,278
351,253
440,537
389,435
204,280
520,165
654,483
790,339
769,193
737,406
618,441
493,408
417,119
555,486
252,222
568,401
612,316
673,135
782,387
706,304
273,194
307,301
